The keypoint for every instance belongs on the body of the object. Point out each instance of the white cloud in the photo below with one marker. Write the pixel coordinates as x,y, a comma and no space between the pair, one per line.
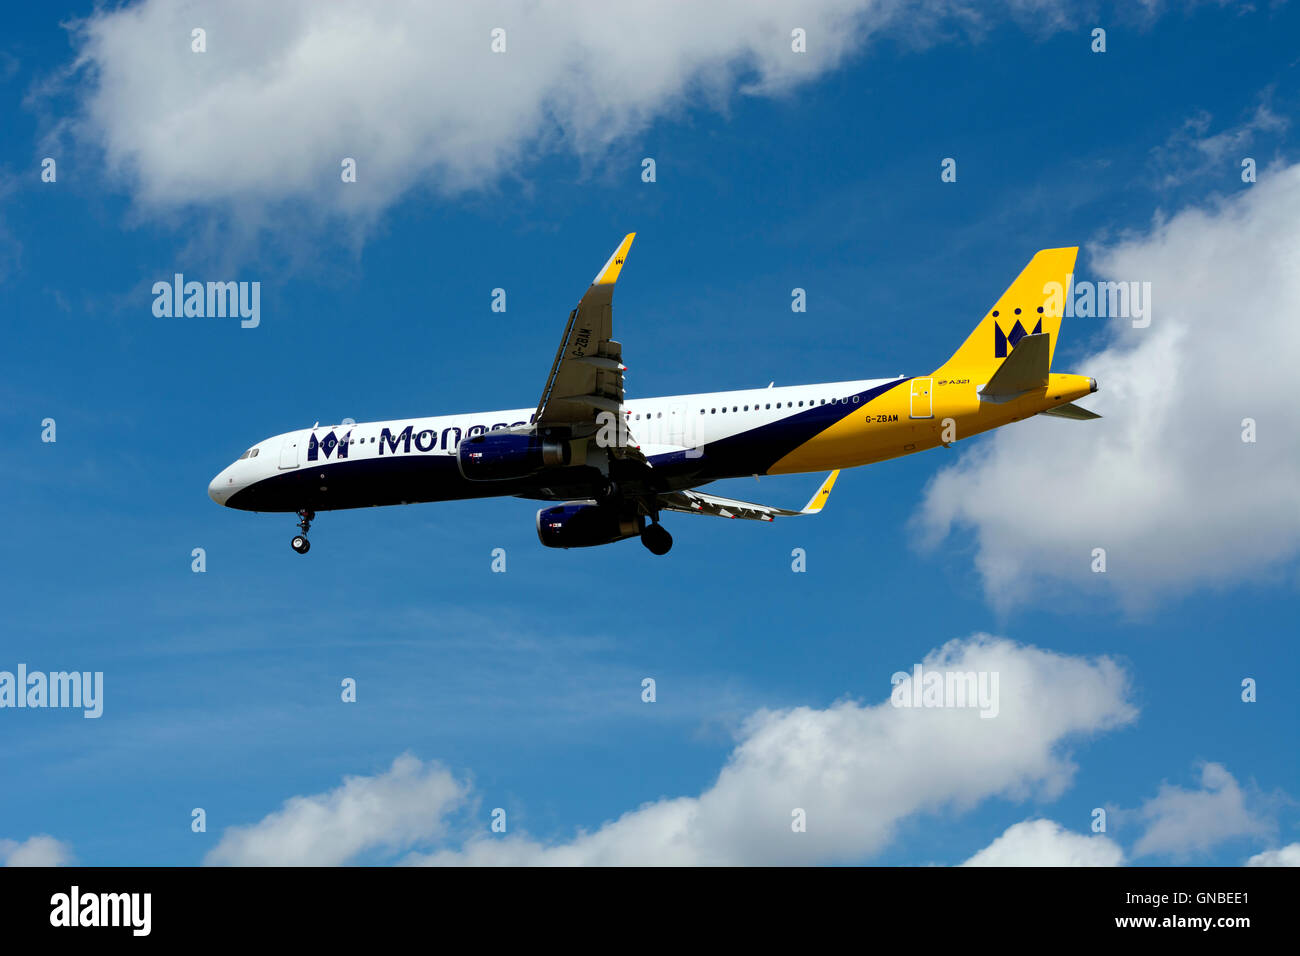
412,91
1288,855
1183,822
857,770
40,850
1046,843
393,811
1164,482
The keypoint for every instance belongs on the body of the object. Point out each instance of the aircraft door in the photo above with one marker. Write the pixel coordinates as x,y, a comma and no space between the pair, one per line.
922,398
289,452
677,425
683,430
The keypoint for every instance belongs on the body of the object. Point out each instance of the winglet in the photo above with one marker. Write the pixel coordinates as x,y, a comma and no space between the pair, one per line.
608,275
818,501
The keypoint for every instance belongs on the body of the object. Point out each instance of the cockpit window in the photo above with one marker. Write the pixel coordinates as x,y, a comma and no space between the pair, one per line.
251,453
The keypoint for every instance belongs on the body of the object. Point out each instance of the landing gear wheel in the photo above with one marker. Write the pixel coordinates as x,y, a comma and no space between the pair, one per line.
656,539
300,542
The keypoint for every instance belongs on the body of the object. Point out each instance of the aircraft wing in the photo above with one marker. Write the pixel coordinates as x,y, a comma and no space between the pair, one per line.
587,375
697,503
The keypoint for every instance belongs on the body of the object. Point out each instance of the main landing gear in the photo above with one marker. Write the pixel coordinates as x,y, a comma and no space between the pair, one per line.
653,535
300,542
608,494
656,539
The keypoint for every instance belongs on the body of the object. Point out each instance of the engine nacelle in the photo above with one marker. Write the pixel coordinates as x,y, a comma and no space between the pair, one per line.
581,524
497,456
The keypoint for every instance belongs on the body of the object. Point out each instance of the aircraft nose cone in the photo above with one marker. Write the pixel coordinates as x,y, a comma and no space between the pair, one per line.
217,489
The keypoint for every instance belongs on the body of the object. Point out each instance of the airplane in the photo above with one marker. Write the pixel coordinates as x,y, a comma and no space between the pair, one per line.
615,465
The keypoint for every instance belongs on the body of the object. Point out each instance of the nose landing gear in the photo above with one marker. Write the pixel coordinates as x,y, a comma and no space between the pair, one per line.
300,542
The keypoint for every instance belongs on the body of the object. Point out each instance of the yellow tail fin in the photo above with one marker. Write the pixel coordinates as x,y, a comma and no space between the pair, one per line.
1032,304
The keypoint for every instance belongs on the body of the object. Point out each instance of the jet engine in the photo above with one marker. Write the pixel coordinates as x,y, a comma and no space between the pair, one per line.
497,456
582,524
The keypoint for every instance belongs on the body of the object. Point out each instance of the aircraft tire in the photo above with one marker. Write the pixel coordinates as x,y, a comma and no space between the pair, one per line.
657,539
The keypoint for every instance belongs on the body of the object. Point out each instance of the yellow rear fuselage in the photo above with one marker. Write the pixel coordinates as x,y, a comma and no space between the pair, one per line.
922,413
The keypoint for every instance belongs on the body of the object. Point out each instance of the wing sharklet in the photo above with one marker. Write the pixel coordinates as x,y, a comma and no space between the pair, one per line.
608,274
818,501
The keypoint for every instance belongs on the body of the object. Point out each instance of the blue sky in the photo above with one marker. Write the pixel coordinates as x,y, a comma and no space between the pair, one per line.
222,688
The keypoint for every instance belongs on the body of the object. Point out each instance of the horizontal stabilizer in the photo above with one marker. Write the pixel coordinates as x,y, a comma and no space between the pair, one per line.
1076,412
1024,370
